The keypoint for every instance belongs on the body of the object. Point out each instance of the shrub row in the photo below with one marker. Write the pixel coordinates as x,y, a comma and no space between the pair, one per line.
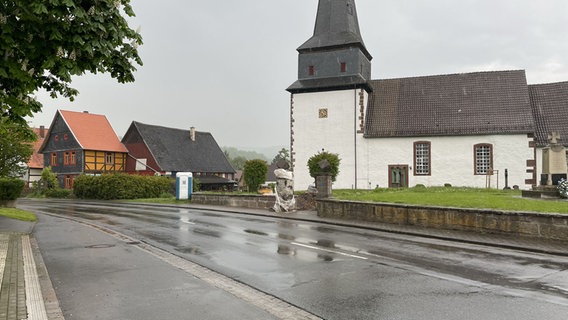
120,186
10,188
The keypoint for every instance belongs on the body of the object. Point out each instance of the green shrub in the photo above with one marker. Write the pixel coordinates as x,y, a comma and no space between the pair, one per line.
120,186
57,193
11,188
331,158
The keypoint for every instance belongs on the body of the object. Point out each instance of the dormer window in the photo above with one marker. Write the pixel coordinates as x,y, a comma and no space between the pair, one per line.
311,70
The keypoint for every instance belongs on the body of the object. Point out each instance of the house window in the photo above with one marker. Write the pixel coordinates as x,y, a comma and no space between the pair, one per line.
311,70
69,158
109,158
422,158
73,158
53,162
322,113
483,158
68,182
343,67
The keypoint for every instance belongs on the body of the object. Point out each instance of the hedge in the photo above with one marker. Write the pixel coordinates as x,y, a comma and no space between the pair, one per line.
10,188
120,186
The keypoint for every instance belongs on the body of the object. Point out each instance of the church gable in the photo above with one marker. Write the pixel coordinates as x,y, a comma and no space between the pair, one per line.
458,104
549,104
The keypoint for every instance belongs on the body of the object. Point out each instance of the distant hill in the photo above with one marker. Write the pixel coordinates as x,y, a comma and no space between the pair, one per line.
247,154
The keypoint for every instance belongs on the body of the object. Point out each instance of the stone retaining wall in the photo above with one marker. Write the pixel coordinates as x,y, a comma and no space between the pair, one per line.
235,200
537,225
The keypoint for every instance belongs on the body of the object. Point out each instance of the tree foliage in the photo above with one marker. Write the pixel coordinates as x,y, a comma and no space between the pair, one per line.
331,158
15,147
255,173
44,43
11,188
283,154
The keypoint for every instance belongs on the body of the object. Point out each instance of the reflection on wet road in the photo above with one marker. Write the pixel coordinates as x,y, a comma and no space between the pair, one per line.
335,271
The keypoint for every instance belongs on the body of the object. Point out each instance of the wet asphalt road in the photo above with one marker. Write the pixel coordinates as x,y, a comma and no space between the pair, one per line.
333,272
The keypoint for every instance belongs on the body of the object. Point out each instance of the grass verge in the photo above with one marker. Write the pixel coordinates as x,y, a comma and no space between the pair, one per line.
507,200
18,214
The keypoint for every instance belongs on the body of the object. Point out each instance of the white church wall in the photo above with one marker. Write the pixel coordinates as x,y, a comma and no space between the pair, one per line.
333,132
452,160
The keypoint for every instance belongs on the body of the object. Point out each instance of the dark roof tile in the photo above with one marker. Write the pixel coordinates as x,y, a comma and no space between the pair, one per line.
549,104
175,151
456,104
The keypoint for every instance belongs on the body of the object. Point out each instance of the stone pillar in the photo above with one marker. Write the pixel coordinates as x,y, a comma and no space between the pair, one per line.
553,162
323,185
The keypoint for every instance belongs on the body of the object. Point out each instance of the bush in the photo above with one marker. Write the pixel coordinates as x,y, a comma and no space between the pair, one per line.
331,158
11,188
120,186
57,193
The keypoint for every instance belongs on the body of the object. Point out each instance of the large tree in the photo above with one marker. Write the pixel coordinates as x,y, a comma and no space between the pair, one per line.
15,148
44,43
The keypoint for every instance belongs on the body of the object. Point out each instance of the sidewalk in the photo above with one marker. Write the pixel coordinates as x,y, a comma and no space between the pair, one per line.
20,290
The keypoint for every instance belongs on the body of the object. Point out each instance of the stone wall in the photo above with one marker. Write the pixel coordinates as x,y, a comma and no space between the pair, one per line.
235,200
530,224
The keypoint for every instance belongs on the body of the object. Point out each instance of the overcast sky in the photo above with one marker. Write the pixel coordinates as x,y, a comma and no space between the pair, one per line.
223,66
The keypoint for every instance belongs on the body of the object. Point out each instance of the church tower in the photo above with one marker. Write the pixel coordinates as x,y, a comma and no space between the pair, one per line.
329,98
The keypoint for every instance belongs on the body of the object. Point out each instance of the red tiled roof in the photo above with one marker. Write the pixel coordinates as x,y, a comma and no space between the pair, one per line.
92,131
36,161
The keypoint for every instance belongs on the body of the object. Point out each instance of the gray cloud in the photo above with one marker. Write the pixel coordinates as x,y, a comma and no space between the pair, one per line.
223,66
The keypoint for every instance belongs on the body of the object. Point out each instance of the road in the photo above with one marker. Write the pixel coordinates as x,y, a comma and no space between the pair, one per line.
329,271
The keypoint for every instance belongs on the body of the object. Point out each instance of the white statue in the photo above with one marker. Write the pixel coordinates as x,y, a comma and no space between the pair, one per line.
285,201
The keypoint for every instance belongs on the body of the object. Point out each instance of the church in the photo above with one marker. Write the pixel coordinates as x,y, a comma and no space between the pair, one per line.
480,129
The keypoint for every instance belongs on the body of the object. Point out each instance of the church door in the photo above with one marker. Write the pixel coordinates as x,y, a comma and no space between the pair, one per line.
398,176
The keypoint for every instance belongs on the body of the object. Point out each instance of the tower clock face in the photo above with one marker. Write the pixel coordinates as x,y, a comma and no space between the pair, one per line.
322,113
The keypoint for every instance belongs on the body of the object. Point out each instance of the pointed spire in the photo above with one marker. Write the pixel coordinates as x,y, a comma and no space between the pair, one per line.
337,26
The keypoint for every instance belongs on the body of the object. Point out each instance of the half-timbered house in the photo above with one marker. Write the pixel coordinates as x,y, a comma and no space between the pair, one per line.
82,143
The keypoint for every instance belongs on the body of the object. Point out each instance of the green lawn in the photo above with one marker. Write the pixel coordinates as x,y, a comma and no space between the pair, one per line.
509,200
17,214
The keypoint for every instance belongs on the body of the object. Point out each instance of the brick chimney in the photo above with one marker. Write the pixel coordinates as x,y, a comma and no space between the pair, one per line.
192,133
42,132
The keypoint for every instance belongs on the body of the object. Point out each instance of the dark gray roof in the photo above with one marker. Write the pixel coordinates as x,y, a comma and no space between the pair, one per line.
549,104
329,84
456,104
336,26
174,151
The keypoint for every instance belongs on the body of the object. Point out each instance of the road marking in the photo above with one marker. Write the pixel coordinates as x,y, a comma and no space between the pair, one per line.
329,250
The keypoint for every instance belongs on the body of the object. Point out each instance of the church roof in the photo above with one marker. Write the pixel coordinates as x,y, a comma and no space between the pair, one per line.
174,150
495,102
549,103
336,26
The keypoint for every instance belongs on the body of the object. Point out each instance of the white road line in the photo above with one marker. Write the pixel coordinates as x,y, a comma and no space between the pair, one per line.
328,250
